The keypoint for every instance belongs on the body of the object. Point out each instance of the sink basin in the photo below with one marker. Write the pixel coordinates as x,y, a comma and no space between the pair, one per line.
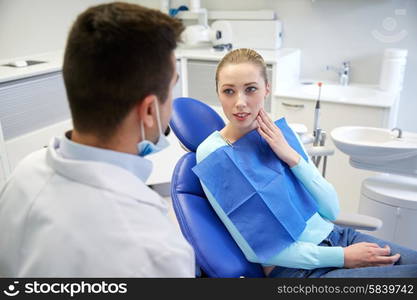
339,92
378,149
374,143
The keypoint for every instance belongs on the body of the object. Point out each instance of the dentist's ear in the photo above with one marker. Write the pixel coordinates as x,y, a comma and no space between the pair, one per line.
145,110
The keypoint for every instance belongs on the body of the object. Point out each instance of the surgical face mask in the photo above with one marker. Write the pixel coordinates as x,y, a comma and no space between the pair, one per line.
146,147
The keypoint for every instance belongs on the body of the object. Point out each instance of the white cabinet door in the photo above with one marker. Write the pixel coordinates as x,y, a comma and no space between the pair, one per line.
405,233
31,109
4,162
32,103
386,213
201,81
398,223
346,179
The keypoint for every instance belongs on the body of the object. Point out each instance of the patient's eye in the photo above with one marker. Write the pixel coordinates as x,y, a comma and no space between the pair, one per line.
251,89
228,91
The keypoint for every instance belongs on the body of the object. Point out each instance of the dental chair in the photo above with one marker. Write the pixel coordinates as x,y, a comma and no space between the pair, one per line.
217,254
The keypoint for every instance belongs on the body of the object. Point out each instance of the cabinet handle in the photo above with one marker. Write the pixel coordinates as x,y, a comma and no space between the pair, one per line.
293,105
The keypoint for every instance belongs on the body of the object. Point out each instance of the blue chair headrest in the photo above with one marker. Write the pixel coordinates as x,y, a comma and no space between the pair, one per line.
193,121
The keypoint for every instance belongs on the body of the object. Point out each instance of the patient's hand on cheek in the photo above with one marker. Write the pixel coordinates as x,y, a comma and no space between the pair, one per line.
368,255
276,140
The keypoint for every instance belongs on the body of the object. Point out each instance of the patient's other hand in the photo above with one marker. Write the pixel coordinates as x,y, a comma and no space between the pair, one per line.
368,255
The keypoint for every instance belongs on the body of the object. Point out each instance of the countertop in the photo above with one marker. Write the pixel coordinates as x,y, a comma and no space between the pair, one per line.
270,56
53,61
378,99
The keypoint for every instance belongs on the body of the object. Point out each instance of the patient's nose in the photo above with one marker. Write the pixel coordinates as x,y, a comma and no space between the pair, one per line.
241,100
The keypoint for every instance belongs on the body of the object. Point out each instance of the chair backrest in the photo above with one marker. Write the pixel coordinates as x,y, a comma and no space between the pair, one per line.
216,252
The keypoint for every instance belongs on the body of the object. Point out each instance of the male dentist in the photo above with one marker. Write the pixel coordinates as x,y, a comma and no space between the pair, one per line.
80,208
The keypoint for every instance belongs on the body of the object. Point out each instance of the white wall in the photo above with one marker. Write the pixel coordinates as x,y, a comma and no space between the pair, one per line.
327,32
36,26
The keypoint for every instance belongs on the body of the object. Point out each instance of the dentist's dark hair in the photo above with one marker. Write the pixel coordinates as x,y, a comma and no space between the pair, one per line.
116,55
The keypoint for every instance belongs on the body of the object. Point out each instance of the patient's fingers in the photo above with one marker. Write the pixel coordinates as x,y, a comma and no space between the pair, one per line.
382,251
264,127
388,260
267,136
264,116
264,135
267,120
373,245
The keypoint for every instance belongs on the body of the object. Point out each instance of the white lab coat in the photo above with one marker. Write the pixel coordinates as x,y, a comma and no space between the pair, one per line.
71,218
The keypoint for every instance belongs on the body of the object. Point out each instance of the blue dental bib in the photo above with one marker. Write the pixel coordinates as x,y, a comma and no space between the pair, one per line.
258,192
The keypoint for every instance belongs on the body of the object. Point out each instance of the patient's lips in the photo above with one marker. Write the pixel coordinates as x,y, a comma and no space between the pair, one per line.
241,116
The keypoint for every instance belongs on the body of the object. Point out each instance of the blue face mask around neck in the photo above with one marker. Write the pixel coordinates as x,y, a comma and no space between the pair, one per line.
146,147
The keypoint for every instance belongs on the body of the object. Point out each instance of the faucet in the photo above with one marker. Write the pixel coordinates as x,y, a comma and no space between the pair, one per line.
400,132
343,72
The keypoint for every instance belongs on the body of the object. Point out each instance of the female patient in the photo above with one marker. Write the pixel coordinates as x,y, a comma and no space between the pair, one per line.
322,249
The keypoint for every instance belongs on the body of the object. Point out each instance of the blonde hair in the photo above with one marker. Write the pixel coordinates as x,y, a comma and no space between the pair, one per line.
242,55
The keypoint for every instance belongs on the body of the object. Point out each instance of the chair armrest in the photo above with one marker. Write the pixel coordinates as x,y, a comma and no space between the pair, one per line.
307,138
320,151
358,221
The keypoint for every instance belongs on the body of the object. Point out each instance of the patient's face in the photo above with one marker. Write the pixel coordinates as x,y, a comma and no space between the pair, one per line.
242,91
